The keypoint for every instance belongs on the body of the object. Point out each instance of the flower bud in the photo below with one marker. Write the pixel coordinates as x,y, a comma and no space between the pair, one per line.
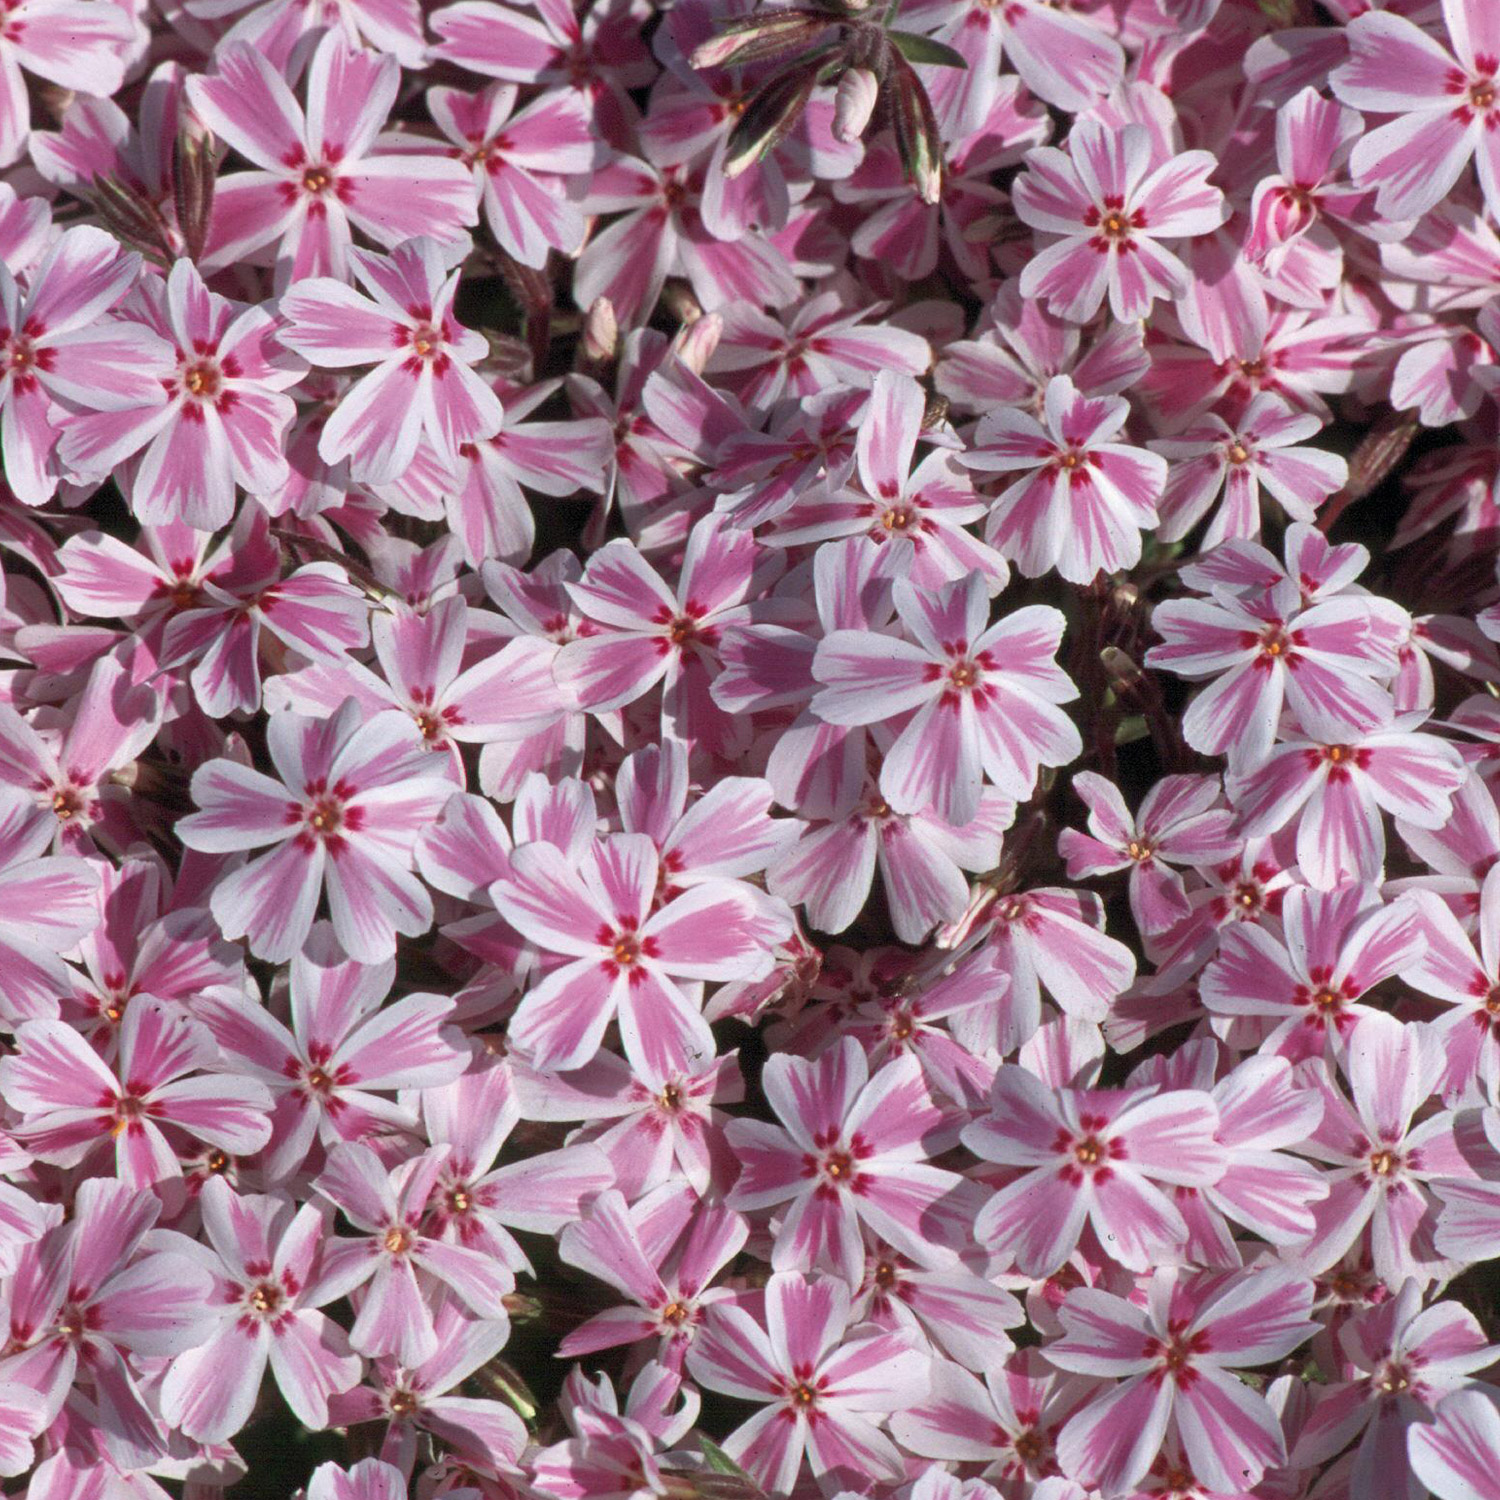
601,331
696,342
853,104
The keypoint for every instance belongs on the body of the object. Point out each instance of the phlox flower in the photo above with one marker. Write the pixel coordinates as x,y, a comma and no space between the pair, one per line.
1174,1360
477,1204
73,45
1382,1165
1446,103
1400,1361
1325,663
852,1149
1007,1421
263,1255
58,350
343,1050
1182,820
1112,205
318,171
1082,508
220,416
623,954
983,698
422,383
421,1398
275,28
927,507
1336,793
1093,1157
1260,450
823,1385
518,160
71,1104
396,1255
662,1254
350,797
1457,1454
652,1124
91,1300
1335,946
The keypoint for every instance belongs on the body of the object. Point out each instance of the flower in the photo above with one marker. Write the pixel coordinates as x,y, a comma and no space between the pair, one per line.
349,798
1112,204
823,1390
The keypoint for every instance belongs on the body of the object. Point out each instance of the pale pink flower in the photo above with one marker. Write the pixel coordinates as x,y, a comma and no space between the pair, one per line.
1446,103
422,1398
519,160
396,1260
351,798
422,383
67,778
926,508
477,1204
1112,205
1174,1360
622,954
824,1390
344,1049
1335,795
1382,1166
263,1256
70,1103
1335,946
1400,1361
1325,663
852,1149
983,699
1098,1158
93,1301
319,172
274,28
58,351
1458,1454
76,46
220,416
1182,821
1083,506
1237,460
661,1254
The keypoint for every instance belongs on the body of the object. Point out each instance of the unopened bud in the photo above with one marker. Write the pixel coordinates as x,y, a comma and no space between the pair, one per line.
695,344
853,104
601,331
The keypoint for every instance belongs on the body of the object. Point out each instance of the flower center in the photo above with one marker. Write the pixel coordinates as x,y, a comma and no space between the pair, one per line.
1139,849
317,180
675,1314
1393,1378
885,1275
265,1298
398,1239
838,1166
402,1403
202,379
682,630
1482,93
626,951
803,1395
1273,641
459,1201
1030,1446
1114,225
1089,1152
325,817
216,1162
1238,453
896,518
66,804
426,341
670,1098
1385,1162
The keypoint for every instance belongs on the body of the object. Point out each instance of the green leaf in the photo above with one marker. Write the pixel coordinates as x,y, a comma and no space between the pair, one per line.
720,1462
922,49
